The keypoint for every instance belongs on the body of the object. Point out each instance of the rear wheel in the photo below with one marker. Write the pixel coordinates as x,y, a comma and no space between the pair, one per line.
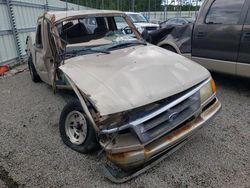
76,130
34,76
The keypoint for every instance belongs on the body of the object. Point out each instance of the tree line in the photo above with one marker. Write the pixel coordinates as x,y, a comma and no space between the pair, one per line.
131,5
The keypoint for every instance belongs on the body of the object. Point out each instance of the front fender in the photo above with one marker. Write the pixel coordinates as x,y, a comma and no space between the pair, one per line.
83,103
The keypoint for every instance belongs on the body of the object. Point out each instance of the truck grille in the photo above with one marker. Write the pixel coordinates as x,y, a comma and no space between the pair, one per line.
168,115
168,120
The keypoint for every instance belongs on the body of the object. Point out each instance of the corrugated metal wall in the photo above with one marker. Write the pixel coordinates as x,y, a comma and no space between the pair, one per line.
17,20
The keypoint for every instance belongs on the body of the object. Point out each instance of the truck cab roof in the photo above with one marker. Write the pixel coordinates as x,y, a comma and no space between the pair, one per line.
57,16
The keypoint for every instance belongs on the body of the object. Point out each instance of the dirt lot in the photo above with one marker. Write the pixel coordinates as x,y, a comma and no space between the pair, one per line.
32,153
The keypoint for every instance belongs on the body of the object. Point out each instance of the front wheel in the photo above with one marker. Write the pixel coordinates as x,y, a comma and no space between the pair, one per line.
76,130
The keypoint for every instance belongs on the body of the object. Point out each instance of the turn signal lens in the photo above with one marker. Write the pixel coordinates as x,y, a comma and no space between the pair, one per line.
213,85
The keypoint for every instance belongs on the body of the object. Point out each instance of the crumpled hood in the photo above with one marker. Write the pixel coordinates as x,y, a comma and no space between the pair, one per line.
132,77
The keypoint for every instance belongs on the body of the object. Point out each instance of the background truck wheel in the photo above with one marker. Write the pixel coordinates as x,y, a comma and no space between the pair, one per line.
76,130
170,48
34,76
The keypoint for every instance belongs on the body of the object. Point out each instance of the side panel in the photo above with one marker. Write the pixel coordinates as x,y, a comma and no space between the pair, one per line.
216,65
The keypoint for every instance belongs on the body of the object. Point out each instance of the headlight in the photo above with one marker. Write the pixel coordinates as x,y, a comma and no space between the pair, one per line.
207,91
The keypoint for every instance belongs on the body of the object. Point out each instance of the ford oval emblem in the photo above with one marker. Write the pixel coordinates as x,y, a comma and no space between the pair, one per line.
172,116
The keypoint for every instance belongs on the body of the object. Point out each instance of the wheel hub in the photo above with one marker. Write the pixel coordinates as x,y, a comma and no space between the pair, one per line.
76,127
79,126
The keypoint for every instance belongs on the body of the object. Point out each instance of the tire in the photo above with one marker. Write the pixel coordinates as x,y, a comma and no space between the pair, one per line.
170,48
77,132
34,76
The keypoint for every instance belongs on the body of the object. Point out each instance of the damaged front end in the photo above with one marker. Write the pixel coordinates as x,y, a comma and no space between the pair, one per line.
140,138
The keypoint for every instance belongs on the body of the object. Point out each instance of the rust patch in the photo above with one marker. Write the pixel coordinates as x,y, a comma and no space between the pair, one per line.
146,152
117,156
172,135
182,129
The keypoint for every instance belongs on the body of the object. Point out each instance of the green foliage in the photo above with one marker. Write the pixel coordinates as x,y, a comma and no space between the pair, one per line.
126,5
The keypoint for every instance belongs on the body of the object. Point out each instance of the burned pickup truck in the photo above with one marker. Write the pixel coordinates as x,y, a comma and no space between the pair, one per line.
137,101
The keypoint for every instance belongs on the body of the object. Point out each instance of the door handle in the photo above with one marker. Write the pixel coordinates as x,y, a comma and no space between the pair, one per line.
200,35
246,35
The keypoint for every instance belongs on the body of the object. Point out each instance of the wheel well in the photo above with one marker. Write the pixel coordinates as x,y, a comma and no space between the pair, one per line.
169,47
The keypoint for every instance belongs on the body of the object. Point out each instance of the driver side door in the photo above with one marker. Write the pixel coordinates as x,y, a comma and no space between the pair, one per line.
43,60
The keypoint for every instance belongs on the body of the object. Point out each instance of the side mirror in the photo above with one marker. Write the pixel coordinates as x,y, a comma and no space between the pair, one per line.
128,30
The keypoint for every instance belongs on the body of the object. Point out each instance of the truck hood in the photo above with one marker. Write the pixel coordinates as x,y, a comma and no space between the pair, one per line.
144,24
132,77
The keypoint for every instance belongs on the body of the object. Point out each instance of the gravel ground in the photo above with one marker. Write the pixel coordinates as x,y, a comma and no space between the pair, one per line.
32,153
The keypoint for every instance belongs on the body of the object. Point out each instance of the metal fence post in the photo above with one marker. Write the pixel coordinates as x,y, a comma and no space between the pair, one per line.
46,5
14,30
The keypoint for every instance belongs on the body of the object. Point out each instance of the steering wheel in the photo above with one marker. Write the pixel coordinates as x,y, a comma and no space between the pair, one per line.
127,30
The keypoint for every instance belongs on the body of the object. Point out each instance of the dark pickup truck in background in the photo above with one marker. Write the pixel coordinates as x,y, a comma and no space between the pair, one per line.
219,39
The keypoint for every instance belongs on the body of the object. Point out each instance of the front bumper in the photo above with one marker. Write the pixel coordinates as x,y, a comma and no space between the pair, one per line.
129,153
